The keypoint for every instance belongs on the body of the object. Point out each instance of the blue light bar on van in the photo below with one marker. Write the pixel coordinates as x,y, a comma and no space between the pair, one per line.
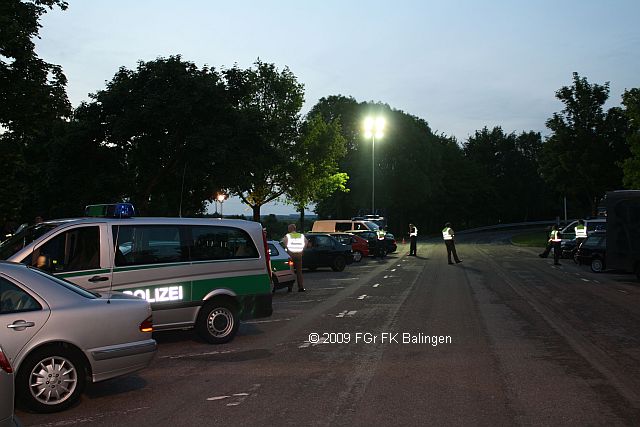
113,210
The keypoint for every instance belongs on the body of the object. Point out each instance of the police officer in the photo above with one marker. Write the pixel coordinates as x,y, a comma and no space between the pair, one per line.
413,236
556,241
448,236
295,243
380,242
581,233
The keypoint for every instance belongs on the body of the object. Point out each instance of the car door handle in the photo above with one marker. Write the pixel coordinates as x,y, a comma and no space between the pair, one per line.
20,324
95,279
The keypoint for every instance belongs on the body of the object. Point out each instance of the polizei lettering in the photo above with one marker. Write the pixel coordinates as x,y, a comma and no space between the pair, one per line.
169,293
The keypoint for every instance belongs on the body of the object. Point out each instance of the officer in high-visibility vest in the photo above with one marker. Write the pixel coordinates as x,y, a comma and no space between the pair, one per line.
295,243
381,244
448,236
581,233
555,243
413,236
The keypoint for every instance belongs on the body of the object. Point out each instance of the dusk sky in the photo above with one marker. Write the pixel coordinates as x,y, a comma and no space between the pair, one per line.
460,65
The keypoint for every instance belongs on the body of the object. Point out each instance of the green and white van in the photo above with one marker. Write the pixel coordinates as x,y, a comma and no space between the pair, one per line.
195,272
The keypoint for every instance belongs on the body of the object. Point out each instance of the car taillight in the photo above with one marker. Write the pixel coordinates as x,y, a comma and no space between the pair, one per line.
147,325
267,255
289,263
4,363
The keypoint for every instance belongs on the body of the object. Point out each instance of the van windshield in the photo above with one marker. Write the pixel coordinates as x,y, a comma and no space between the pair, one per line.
24,237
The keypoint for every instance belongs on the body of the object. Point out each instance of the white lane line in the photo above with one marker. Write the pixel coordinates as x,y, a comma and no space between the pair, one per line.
241,394
376,285
265,321
398,265
208,353
362,296
351,313
328,289
347,278
585,280
393,269
304,344
218,397
342,313
620,290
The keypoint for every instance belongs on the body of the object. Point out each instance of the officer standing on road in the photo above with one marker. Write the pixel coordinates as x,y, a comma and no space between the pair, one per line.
295,243
413,236
555,243
448,236
581,233
380,242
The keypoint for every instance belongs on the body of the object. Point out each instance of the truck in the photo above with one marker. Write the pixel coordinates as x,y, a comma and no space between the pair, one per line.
622,210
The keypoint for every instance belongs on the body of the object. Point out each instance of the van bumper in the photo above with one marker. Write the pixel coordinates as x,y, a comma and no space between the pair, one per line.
256,306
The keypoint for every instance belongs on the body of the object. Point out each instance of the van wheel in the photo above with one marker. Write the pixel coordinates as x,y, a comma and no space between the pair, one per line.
597,265
357,256
51,379
218,321
338,263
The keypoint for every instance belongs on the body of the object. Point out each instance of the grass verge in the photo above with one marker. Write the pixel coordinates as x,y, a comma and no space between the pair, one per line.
536,239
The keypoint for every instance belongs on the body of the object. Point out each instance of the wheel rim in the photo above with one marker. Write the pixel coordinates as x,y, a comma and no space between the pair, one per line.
357,256
220,322
596,265
53,380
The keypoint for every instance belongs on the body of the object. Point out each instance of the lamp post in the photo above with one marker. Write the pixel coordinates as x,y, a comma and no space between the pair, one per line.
373,128
221,198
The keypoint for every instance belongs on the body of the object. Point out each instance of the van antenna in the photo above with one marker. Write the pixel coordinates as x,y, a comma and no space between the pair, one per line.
184,171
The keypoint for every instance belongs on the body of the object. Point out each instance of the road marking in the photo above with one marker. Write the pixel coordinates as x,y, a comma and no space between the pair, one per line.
347,278
620,290
329,288
398,265
208,353
346,313
376,285
312,344
585,280
265,321
362,296
218,397
393,269
241,397
388,276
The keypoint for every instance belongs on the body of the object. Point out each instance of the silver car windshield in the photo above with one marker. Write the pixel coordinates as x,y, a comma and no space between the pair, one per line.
70,286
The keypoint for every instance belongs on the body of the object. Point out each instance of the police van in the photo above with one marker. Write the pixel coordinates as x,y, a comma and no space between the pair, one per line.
195,272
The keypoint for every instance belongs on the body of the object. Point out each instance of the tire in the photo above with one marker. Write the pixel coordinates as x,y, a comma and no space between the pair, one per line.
218,321
339,263
357,256
597,265
64,376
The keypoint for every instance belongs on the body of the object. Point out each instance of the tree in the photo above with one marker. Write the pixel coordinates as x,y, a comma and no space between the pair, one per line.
268,103
33,102
173,129
581,157
314,173
631,166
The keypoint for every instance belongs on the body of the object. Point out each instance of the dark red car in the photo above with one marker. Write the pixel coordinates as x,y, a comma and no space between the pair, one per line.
359,246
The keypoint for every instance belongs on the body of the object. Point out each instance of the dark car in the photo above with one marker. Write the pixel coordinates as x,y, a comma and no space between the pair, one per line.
569,248
389,240
359,246
593,252
324,250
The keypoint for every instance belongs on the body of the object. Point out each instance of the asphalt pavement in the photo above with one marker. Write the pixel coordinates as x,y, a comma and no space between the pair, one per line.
504,338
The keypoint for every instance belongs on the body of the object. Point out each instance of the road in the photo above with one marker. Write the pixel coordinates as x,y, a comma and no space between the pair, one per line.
507,339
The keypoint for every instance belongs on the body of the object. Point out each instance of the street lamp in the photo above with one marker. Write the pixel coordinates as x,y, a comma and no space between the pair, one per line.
373,129
221,198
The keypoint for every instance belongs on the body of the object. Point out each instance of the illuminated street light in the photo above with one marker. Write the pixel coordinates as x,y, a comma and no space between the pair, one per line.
373,129
221,197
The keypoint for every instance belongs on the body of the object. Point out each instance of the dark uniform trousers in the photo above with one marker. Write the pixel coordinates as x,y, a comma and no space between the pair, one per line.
412,246
451,249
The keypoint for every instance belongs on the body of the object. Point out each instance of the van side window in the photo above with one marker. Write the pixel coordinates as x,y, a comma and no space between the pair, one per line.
211,242
343,226
13,299
73,250
149,244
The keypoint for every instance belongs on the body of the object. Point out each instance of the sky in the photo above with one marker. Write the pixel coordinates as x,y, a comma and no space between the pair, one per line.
458,64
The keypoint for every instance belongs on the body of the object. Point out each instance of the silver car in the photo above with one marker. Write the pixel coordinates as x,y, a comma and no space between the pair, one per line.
58,336
7,419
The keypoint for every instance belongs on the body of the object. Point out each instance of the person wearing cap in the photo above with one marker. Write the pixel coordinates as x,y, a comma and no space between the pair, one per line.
295,243
413,236
448,236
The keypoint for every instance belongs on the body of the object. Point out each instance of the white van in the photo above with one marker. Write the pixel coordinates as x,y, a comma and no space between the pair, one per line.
195,272
595,224
341,225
